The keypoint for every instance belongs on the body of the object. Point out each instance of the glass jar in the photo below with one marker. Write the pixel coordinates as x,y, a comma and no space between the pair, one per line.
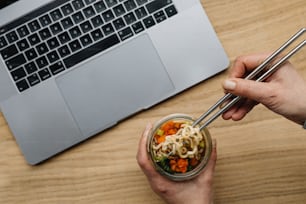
182,158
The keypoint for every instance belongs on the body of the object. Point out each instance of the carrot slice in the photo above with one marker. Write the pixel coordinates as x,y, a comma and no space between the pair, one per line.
161,139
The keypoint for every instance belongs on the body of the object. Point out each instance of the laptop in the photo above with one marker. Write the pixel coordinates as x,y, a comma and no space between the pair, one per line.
70,69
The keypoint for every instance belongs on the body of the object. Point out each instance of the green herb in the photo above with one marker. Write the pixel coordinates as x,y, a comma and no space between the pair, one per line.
165,164
160,132
189,168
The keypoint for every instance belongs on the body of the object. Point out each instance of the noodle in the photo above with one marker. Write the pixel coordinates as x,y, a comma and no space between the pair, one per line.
186,143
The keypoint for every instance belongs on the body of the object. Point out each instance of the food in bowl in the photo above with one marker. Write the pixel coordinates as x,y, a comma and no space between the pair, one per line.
177,149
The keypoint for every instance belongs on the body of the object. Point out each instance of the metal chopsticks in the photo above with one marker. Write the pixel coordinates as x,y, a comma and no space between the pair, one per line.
251,76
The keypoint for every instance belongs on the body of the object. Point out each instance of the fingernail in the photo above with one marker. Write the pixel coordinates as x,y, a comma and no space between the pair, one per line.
229,85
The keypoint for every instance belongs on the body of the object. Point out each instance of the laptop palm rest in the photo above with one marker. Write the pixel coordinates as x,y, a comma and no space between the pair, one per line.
115,85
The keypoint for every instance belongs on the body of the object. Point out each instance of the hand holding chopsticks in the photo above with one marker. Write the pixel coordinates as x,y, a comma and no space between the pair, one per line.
269,65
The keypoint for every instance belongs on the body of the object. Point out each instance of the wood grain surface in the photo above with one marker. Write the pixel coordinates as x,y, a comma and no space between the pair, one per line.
261,159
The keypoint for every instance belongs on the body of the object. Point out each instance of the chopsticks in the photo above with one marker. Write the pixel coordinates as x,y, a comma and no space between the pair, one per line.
264,65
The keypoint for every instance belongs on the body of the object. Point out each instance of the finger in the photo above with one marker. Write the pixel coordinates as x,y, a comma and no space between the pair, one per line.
243,110
213,156
228,114
246,63
142,156
257,91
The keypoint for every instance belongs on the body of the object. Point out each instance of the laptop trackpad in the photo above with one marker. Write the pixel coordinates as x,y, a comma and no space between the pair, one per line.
111,87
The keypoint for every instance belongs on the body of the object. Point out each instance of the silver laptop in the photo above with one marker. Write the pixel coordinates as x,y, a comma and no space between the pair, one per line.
70,69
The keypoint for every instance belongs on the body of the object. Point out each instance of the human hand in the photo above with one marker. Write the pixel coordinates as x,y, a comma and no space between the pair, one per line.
195,191
284,92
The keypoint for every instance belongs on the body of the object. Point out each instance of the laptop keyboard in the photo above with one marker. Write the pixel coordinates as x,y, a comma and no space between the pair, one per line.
64,33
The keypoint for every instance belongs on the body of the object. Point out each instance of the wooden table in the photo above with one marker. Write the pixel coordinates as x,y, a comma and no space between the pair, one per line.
261,159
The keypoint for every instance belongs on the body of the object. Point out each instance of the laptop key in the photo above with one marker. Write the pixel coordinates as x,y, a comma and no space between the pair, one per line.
67,23
67,9
44,74
111,3
171,11
23,45
130,18
148,22
53,43
100,6
42,48
22,85
160,16
34,26
78,17
64,37
15,61
125,33
30,67
75,32
57,68
137,27
3,42
31,54
41,62
141,12
75,45
157,5
91,50
18,74
34,39
78,4
23,31
56,15
56,28
45,20
86,26
52,56
119,10
108,15
45,33
97,34
89,1
97,21
63,51
9,51
119,23
12,37
89,12
130,5
108,29
33,79
86,40
140,2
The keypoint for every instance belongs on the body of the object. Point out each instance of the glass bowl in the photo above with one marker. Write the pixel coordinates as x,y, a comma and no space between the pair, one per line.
178,156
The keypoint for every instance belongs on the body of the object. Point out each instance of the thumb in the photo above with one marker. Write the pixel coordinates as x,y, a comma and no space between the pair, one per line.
253,90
